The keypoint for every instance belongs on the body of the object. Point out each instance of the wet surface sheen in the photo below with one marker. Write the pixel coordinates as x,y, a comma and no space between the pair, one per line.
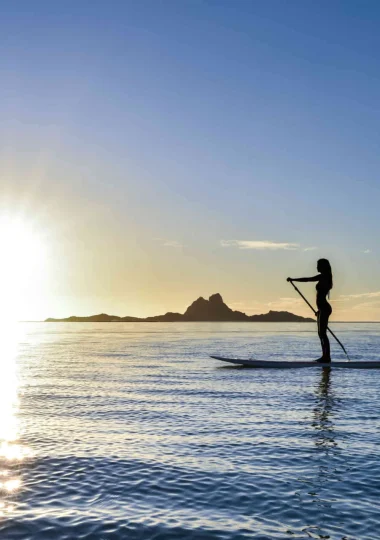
129,431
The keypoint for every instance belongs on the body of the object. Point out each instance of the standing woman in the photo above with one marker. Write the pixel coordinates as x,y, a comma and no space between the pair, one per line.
324,285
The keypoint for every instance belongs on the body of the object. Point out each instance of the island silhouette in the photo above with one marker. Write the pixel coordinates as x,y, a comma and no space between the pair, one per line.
201,310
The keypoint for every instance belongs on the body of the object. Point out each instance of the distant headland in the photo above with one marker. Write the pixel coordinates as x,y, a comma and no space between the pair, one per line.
201,310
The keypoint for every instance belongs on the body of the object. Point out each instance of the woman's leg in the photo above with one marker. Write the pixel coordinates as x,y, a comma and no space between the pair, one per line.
323,319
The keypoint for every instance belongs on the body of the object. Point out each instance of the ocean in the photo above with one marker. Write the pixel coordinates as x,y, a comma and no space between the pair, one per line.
130,431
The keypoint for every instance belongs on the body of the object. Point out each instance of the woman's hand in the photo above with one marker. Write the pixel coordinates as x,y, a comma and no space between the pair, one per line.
289,279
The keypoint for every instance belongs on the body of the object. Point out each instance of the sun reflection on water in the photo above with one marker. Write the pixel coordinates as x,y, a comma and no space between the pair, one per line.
12,453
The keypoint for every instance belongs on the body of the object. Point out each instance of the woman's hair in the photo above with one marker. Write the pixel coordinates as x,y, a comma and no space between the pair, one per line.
325,269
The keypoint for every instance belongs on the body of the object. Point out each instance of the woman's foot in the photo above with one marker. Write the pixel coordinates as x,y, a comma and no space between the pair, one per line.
323,360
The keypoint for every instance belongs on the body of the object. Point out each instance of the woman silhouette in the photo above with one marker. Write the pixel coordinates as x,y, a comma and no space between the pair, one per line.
324,285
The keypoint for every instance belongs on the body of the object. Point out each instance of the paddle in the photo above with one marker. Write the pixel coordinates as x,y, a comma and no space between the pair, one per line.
315,313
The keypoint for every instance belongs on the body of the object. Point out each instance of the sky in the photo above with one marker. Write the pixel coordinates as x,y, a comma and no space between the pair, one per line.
162,150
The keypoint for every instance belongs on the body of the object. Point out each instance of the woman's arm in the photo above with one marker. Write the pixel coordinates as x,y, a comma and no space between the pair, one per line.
305,279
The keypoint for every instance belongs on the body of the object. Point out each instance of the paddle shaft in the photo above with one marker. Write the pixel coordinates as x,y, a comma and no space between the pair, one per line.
316,313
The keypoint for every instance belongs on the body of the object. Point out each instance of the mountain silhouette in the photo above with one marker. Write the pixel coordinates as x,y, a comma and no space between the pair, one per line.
201,310
213,309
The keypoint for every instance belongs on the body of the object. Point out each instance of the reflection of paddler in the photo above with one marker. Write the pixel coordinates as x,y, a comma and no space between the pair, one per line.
323,410
324,285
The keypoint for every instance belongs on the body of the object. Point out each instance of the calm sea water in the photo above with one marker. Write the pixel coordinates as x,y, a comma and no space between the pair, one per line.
130,431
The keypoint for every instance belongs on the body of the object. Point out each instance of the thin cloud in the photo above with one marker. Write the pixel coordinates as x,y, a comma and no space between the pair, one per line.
252,306
173,244
367,305
259,244
312,248
367,251
285,303
362,295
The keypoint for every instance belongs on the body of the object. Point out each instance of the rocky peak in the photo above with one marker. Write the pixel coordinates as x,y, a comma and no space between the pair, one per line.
216,299
213,309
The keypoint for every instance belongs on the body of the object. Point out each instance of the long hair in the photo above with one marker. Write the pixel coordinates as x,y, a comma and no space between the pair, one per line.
325,268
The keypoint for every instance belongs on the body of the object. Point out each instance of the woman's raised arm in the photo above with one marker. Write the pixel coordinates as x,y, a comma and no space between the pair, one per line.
305,279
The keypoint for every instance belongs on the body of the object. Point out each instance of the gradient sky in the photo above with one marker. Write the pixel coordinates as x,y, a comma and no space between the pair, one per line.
168,149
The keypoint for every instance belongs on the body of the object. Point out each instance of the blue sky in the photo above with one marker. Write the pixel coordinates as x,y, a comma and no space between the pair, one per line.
149,138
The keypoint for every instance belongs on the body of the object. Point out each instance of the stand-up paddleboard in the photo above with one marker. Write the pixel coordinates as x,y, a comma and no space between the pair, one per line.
297,364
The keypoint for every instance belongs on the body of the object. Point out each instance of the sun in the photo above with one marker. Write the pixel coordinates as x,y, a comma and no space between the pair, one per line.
22,264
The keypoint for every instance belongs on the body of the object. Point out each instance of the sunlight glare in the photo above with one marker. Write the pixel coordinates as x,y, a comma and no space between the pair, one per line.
23,259
12,485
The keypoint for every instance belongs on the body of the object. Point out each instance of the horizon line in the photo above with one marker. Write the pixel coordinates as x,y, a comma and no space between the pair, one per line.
229,322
